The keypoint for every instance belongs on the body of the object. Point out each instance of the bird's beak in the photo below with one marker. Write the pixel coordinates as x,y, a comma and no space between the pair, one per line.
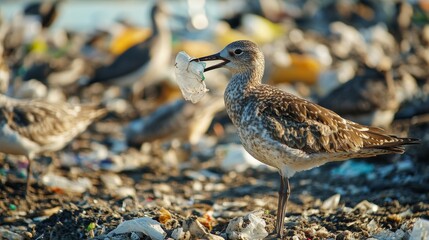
212,58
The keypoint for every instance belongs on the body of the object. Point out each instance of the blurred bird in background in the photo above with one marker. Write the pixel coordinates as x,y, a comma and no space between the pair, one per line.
142,64
32,127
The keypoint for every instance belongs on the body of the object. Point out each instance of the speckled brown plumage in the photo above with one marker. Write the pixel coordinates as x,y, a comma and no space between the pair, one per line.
304,125
288,132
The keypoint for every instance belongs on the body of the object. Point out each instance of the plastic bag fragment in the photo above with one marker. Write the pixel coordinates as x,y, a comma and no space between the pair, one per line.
190,77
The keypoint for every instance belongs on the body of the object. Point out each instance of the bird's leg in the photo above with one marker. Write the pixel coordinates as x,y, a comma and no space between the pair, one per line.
29,173
284,193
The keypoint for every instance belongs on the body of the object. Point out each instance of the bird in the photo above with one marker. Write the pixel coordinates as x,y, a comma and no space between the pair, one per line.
55,73
142,63
45,11
288,132
178,119
32,127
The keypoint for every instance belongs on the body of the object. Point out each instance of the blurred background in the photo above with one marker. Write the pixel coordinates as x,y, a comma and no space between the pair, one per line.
367,60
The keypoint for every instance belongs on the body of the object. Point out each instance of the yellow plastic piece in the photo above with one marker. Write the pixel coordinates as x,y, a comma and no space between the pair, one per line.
303,68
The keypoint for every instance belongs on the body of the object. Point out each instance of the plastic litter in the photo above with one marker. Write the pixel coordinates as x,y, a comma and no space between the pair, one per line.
251,226
389,235
238,159
353,169
372,226
197,230
331,203
145,225
367,207
6,234
80,185
190,77
420,230
111,181
178,233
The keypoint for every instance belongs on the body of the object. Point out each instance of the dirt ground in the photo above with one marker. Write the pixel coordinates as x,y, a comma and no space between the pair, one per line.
105,183
199,188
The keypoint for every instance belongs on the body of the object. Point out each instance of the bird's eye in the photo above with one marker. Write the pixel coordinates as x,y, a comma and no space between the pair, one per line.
238,51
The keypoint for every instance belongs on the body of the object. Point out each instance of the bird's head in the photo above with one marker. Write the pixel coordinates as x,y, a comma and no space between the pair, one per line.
159,15
239,57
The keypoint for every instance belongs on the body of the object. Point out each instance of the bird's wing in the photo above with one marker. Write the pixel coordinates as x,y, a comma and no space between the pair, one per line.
311,128
127,62
41,122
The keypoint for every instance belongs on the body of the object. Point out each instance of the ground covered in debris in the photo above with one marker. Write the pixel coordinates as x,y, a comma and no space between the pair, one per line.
100,187
380,198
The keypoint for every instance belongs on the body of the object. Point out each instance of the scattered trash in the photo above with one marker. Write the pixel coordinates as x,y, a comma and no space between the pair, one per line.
372,226
123,192
207,220
366,207
55,181
202,175
6,234
331,203
179,234
164,216
353,169
91,159
145,225
251,226
111,181
238,159
405,165
197,230
194,227
317,54
389,235
420,230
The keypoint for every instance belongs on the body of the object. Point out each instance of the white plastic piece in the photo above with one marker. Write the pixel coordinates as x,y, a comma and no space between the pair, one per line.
145,225
331,203
80,185
254,227
367,207
420,229
190,77
238,159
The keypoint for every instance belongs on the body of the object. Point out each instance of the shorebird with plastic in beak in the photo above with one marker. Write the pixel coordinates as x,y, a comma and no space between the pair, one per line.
288,132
